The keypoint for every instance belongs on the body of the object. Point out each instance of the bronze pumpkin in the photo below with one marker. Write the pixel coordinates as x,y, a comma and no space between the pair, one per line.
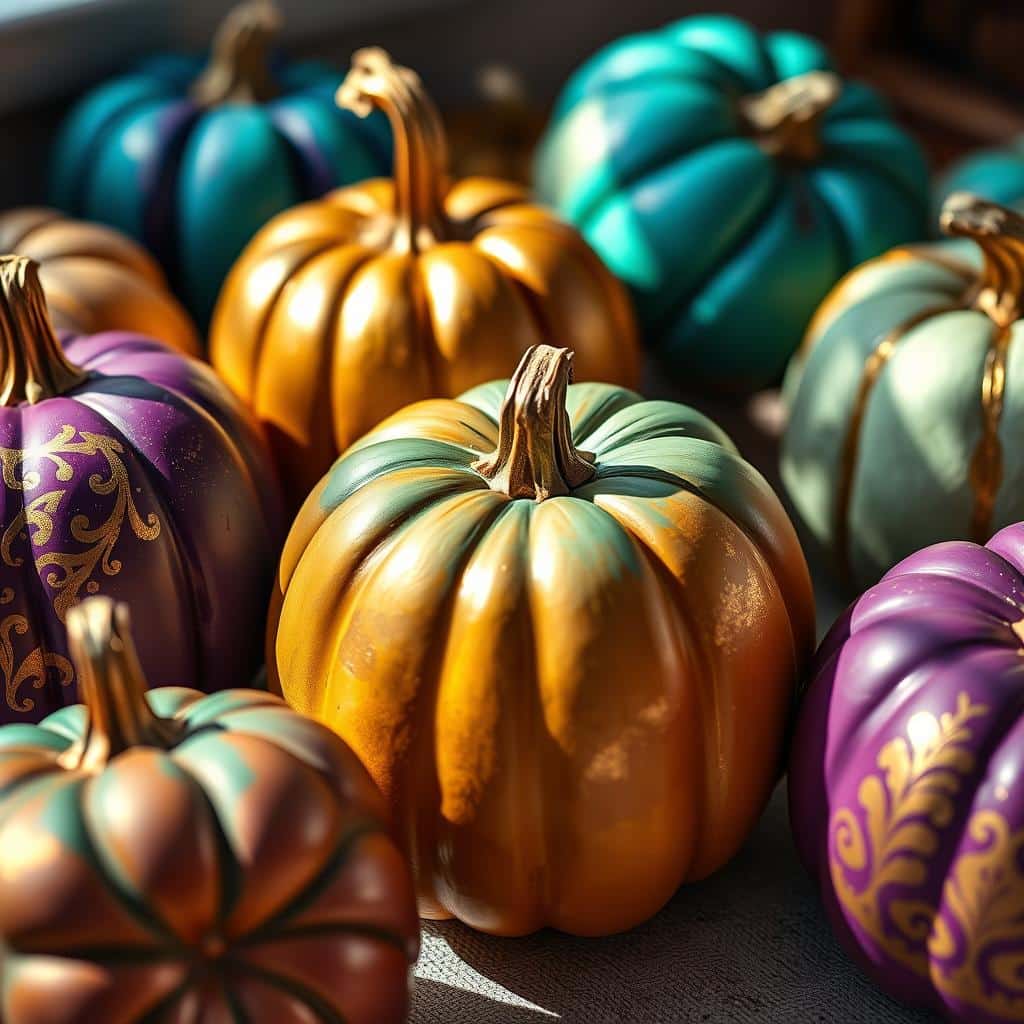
174,856
342,310
97,279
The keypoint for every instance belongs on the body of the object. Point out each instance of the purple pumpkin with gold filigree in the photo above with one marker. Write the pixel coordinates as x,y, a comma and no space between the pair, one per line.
127,469
906,779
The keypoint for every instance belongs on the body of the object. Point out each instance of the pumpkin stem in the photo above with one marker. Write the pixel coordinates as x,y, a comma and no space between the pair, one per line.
420,147
999,232
238,70
785,119
112,687
535,457
34,366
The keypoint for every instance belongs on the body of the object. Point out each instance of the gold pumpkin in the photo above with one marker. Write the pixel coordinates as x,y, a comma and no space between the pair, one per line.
563,632
97,279
343,310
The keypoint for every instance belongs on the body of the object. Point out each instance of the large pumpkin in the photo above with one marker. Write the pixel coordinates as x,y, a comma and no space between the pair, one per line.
563,631
906,779
97,279
179,857
129,469
730,179
344,310
191,161
907,399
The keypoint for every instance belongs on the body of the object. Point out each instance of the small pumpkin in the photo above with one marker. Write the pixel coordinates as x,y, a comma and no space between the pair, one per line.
342,311
97,279
907,398
192,156
130,469
563,631
730,179
177,856
997,174
905,779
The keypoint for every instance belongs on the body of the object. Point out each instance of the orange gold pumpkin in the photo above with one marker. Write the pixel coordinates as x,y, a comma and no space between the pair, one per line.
563,631
342,310
97,279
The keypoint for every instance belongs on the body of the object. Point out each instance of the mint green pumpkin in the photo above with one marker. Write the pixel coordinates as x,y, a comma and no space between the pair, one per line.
191,156
730,179
906,403
996,174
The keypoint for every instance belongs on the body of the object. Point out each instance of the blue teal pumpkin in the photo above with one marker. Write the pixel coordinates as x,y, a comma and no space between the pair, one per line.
997,174
730,178
192,160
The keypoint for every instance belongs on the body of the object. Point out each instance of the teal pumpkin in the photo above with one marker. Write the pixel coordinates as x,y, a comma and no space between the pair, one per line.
906,403
193,161
730,178
996,174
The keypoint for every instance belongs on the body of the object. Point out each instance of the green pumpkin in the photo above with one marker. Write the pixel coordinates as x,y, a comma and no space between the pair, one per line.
730,179
907,401
192,162
996,174
173,856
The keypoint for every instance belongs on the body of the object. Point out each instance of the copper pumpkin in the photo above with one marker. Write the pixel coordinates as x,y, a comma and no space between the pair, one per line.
343,310
97,279
174,856
562,631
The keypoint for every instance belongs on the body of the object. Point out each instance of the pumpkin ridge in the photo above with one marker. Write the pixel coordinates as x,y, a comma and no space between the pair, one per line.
47,216
288,985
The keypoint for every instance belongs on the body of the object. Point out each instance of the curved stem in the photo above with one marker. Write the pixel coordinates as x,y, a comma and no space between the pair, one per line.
999,232
535,457
33,366
420,148
785,119
239,66
112,687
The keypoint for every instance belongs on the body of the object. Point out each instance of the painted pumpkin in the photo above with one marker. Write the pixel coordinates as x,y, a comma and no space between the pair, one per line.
176,856
342,311
97,279
130,469
905,779
193,161
996,174
563,631
907,399
730,179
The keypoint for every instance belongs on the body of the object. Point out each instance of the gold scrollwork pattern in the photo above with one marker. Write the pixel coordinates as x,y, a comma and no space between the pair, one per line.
66,573
33,669
973,952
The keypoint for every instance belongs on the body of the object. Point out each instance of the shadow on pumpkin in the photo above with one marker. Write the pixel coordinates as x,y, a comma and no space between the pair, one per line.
749,943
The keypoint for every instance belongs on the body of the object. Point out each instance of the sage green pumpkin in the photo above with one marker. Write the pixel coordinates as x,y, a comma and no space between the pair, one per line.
730,179
906,403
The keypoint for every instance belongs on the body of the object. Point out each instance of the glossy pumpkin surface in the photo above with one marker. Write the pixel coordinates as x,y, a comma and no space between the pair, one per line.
97,279
908,397
905,779
131,470
563,631
191,156
342,311
173,856
997,174
730,178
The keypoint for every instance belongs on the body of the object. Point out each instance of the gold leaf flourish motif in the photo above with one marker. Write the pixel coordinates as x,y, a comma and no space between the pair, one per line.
978,961
34,668
70,571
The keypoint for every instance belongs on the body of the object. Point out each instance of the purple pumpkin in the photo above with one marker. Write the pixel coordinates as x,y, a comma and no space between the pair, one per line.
128,470
905,784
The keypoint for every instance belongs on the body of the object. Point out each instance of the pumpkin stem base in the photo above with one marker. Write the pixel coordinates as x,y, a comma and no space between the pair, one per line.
785,119
535,457
239,71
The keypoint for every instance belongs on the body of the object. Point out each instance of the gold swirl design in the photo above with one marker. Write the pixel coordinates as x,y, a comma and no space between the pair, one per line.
34,669
980,959
70,571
